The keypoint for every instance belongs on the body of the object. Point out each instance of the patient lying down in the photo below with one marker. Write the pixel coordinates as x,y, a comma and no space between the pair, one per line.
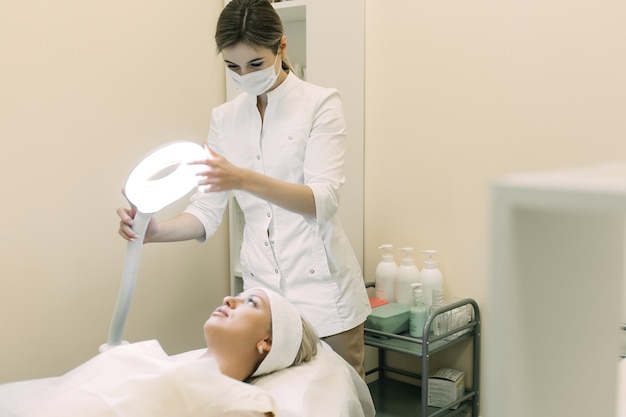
255,333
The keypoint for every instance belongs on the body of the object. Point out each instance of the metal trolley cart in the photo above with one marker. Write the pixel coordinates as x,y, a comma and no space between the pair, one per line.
423,348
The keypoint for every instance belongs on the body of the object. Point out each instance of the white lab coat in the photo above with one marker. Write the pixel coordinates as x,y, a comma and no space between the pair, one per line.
309,260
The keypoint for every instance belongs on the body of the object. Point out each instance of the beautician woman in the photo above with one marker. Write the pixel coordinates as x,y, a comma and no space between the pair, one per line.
279,146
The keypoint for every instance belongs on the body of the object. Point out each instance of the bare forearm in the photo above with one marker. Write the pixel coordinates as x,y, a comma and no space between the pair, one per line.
182,227
221,175
297,198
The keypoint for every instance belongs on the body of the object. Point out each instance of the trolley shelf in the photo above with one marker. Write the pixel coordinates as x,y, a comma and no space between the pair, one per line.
384,390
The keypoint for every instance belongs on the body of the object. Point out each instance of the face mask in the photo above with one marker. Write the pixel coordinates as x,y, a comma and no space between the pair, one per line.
257,82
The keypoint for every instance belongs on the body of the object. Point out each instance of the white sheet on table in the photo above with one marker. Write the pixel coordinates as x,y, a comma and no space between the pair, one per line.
136,380
325,387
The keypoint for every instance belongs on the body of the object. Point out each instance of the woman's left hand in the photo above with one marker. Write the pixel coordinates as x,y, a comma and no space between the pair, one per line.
218,174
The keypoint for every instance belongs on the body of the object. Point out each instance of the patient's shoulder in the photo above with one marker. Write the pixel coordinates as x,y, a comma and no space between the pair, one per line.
326,385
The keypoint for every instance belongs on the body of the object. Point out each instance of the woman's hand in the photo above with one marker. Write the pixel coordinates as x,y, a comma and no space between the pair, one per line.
219,174
127,221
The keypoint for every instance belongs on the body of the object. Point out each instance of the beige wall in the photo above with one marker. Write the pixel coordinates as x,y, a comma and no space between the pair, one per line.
458,93
87,89
481,89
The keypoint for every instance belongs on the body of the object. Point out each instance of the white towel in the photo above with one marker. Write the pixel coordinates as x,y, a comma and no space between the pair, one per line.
286,334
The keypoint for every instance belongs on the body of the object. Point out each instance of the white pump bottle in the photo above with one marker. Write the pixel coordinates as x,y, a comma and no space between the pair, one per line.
386,275
432,281
408,273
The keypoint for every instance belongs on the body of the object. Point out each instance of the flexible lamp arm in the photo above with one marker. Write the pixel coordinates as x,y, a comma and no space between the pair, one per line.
160,179
129,278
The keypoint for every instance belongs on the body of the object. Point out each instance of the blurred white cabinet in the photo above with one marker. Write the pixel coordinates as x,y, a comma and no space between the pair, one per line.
552,326
326,38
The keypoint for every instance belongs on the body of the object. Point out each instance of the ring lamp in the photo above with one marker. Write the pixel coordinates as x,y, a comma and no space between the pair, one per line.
161,178
164,176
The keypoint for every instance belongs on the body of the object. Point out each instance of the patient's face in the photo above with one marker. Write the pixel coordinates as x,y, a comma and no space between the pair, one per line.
242,320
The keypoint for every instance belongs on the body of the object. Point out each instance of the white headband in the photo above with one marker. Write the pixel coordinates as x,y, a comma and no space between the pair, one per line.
286,334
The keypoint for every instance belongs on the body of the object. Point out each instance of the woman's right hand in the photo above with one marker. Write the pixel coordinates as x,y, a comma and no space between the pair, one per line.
127,222
127,216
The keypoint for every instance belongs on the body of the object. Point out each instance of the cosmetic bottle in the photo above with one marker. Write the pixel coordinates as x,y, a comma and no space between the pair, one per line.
432,281
418,311
408,273
385,275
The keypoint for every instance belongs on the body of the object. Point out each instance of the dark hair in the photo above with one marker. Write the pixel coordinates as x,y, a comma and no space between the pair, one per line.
252,22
